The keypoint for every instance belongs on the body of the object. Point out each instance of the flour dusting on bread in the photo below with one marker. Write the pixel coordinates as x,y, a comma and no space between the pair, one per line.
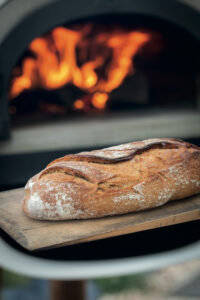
115,180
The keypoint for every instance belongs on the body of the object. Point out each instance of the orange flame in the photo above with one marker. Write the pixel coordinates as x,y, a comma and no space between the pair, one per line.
99,100
72,56
79,104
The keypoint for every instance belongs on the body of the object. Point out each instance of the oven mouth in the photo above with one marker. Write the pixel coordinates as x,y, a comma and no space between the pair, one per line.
161,71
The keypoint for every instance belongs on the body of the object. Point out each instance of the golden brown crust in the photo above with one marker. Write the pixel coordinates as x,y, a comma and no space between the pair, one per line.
123,152
115,180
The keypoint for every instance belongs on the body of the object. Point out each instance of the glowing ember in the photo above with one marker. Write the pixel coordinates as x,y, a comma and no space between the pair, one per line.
99,100
79,104
97,63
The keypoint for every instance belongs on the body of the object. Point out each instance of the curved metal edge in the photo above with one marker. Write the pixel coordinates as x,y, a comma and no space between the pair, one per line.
24,264
15,11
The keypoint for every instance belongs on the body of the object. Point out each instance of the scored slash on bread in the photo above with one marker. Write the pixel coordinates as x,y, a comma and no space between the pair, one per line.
116,180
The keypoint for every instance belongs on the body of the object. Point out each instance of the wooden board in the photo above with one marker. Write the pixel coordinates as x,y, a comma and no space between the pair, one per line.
34,235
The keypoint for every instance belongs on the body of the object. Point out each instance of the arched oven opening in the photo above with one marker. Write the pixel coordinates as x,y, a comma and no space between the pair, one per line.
103,65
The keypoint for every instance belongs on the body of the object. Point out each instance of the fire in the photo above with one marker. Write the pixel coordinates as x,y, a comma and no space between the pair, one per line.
99,100
79,104
97,63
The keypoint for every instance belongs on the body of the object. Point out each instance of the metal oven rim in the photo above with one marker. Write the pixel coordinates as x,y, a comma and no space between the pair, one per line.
21,263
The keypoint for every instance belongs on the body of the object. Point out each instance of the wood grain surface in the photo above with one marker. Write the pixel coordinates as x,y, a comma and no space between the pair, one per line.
34,234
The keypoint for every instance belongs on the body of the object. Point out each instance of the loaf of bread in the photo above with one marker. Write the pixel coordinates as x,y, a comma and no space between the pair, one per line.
116,180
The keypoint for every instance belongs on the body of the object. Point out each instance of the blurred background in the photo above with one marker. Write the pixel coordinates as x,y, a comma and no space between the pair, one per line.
174,283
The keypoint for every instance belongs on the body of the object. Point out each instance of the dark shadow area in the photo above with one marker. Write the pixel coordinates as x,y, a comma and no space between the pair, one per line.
132,245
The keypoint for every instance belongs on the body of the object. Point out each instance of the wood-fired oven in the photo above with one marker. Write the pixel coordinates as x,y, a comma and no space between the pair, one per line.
87,74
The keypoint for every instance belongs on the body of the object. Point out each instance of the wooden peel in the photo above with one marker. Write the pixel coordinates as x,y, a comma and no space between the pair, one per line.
35,235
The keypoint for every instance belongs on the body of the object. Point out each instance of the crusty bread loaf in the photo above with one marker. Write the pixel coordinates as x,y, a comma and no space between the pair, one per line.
116,180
